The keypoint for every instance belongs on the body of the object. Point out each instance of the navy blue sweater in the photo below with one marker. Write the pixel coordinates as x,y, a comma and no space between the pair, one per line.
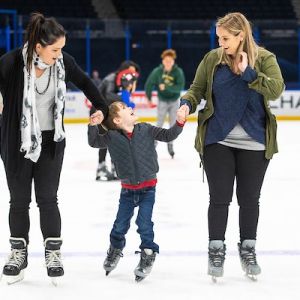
235,102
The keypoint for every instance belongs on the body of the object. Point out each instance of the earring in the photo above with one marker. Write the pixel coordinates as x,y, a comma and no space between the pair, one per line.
36,60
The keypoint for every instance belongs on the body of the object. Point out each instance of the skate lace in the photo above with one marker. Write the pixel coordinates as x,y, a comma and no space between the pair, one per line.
112,254
248,255
16,257
53,258
217,256
146,260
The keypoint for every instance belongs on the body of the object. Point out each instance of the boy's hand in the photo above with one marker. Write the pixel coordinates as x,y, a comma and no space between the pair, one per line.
96,118
182,113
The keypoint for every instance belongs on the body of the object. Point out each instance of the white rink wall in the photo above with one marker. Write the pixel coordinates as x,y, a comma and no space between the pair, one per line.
287,107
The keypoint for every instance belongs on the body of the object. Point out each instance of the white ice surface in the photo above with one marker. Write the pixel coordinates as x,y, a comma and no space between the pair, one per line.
88,209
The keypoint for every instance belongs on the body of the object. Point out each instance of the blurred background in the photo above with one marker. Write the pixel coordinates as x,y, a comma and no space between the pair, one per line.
102,33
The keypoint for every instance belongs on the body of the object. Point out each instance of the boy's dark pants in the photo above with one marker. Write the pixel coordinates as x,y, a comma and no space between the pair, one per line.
129,199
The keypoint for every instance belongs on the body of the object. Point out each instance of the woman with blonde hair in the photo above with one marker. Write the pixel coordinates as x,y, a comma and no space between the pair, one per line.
236,134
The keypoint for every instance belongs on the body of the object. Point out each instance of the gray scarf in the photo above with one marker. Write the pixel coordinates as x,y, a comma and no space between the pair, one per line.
31,135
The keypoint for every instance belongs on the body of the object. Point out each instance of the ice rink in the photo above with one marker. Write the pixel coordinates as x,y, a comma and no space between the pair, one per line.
88,209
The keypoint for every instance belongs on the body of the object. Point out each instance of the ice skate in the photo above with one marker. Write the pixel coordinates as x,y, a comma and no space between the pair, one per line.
145,265
248,259
216,257
113,171
112,259
54,265
171,150
13,270
103,174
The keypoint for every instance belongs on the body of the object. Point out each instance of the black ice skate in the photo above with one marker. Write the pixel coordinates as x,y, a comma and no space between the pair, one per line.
13,270
171,150
54,265
216,257
112,259
113,171
103,174
145,265
248,259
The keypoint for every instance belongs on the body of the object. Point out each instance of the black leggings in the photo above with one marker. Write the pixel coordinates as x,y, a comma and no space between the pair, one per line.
223,165
102,155
46,175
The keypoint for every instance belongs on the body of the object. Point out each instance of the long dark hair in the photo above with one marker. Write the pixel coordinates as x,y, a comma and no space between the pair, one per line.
45,31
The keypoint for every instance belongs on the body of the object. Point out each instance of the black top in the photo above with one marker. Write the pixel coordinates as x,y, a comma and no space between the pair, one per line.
11,88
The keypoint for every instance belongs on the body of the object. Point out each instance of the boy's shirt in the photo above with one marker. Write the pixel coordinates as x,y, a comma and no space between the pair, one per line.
135,158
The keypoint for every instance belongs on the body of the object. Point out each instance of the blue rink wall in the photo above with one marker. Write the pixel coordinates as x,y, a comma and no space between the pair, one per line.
287,107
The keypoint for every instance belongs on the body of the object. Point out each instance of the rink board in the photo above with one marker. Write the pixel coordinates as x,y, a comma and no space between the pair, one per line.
287,107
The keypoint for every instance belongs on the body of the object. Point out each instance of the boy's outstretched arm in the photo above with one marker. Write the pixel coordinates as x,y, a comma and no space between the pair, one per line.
168,135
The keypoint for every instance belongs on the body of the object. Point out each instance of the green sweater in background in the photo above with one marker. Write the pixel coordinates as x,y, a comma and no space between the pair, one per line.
174,83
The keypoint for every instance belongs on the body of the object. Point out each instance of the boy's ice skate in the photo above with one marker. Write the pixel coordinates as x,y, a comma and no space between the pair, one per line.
112,259
248,259
145,265
13,270
103,174
171,150
54,265
216,257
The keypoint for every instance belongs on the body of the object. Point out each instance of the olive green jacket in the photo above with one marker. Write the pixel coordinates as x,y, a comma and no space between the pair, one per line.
269,83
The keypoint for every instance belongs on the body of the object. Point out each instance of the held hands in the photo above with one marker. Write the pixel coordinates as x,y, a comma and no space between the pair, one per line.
96,118
243,61
182,113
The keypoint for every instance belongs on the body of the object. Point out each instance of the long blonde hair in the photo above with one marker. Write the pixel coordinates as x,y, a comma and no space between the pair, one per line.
235,23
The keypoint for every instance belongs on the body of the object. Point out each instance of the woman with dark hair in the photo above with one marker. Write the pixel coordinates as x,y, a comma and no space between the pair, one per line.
33,85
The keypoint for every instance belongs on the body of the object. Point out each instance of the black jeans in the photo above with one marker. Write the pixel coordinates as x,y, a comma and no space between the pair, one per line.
223,165
46,174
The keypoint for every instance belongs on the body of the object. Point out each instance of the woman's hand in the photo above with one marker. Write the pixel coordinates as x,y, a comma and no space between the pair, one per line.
181,113
243,61
96,118
162,87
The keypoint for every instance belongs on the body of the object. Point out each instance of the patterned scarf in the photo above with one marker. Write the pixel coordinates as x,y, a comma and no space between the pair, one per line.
31,135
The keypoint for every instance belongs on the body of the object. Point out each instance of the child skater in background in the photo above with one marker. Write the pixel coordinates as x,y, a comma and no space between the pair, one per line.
132,150
116,87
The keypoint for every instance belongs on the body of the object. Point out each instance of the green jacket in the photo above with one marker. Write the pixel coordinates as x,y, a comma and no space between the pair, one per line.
269,83
174,82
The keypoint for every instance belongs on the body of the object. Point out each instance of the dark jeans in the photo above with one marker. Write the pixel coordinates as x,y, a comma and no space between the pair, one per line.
46,174
129,199
223,165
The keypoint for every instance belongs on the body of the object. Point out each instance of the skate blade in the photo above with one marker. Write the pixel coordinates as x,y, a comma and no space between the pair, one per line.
139,278
251,277
13,279
54,281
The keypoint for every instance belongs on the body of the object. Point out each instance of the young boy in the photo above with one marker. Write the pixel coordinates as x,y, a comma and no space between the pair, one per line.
132,150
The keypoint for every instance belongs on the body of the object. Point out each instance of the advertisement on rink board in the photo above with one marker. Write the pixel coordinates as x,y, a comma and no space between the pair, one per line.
287,107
